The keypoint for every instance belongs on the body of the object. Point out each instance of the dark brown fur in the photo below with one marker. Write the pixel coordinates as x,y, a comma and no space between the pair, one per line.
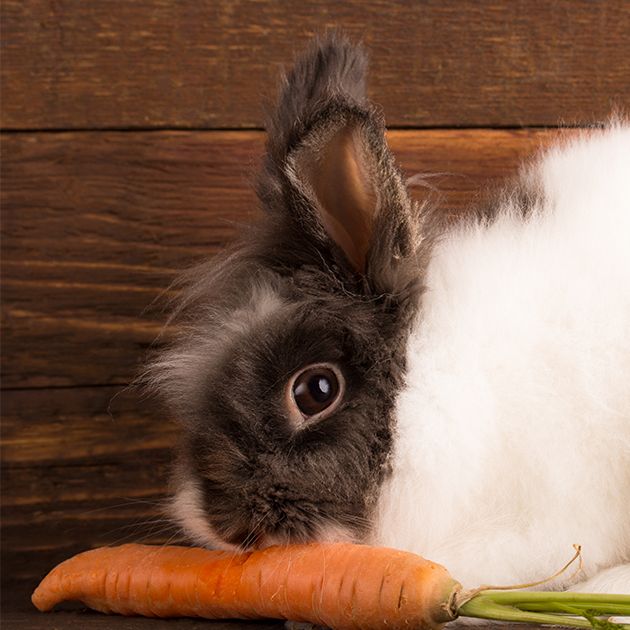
224,376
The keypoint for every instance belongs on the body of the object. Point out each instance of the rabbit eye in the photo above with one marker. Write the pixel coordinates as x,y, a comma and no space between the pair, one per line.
315,391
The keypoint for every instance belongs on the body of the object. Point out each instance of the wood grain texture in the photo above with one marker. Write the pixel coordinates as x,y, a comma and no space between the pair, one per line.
206,64
96,226
68,508
75,426
81,467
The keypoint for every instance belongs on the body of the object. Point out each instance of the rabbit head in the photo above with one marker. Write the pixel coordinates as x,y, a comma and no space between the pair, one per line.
291,345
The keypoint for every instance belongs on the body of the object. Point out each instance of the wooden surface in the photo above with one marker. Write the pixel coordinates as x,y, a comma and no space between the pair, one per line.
205,64
119,170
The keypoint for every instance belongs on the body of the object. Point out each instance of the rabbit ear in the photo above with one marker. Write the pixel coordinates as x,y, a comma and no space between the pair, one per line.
337,178
328,165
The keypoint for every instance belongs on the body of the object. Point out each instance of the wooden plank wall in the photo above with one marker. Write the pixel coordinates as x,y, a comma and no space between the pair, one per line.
130,133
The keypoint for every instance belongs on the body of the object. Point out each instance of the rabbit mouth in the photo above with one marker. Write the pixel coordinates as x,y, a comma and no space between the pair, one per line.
328,533
267,529
294,523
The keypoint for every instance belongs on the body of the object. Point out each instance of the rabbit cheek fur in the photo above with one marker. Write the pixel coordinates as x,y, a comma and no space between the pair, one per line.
245,477
485,420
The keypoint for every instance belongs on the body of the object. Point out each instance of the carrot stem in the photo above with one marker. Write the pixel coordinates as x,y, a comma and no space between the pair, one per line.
580,610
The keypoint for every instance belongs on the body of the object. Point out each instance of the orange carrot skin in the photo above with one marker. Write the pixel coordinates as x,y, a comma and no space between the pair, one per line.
341,585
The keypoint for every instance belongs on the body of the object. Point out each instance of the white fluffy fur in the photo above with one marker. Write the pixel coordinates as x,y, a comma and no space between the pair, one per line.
514,428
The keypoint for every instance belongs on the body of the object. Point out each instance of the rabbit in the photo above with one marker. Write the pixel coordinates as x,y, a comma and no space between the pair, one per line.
357,368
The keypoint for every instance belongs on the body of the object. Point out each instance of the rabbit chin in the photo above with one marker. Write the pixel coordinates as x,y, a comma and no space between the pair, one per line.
186,510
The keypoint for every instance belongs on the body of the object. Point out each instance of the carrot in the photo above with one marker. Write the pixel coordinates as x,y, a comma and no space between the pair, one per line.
338,585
